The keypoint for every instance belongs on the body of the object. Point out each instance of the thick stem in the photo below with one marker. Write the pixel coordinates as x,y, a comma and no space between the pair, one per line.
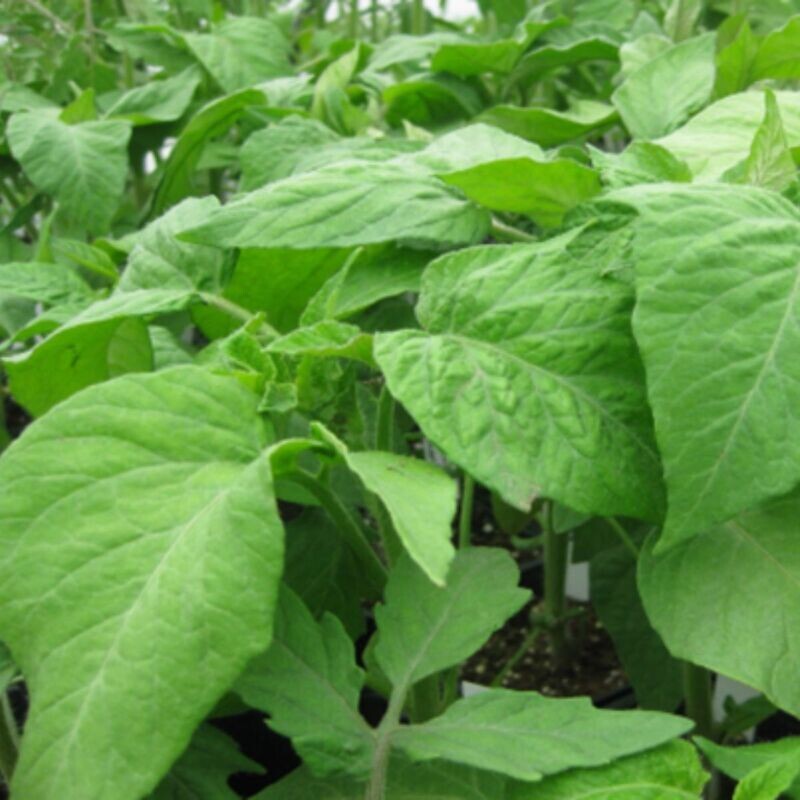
556,549
465,513
698,698
376,789
9,739
348,527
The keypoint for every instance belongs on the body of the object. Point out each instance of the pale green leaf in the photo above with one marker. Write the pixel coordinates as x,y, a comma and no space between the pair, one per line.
659,96
670,772
531,332
82,166
309,684
423,628
756,551
345,206
526,735
591,47
242,51
158,101
551,128
51,284
720,136
329,338
681,18
640,162
717,320
143,553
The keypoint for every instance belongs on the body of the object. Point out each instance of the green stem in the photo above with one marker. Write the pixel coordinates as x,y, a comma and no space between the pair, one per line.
376,789
624,536
236,311
9,739
698,699
508,233
373,20
385,427
533,634
465,513
556,549
348,527
353,20
418,18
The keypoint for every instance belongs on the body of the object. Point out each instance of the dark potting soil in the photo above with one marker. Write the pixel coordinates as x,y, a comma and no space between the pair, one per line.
17,419
591,667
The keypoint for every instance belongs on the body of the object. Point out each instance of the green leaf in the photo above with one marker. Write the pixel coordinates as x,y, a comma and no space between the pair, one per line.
143,553
659,96
769,781
468,58
576,50
681,18
717,275
756,550
329,338
242,51
435,781
735,59
309,684
656,677
82,166
159,101
344,206
669,772
202,772
770,163
738,762
158,260
551,128
108,339
527,332
366,280
448,623
428,100
281,282
640,162
214,119
51,284
779,53
720,136
526,735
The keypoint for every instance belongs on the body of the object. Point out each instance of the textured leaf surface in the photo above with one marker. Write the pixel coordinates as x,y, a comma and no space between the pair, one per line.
753,642
51,284
526,735
141,556
720,136
659,96
425,628
717,320
159,101
82,166
342,207
242,51
326,338
309,684
530,332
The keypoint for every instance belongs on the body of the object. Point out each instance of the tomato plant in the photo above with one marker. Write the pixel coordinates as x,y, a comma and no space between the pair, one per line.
294,299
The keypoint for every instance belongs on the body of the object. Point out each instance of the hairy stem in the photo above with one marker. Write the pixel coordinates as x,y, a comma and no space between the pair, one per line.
556,549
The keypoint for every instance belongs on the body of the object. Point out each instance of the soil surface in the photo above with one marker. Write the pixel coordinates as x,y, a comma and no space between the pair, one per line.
591,667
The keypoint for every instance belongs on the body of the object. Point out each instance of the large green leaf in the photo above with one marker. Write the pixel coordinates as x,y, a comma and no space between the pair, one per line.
757,552
158,260
159,101
475,57
309,684
779,54
108,339
202,772
141,556
82,166
344,206
720,136
242,51
550,128
716,319
670,772
431,100
659,96
51,284
526,735
423,628
534,333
